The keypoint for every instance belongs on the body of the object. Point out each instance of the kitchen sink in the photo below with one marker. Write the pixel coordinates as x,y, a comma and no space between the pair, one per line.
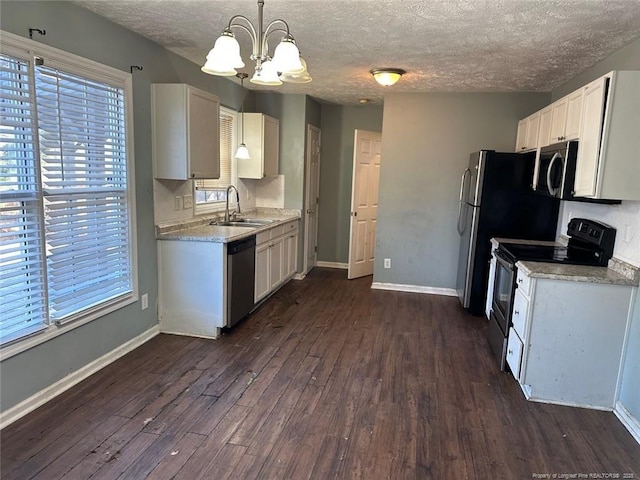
259,221
238,224
244,222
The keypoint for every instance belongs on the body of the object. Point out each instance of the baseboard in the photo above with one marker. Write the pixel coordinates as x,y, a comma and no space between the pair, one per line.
629,421
299,276
397,287
43,396
343,266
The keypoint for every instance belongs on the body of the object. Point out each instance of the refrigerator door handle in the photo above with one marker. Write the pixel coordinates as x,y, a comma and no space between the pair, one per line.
460,204
552,191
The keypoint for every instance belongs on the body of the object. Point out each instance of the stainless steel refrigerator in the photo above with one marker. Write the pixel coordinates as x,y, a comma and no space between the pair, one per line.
497,200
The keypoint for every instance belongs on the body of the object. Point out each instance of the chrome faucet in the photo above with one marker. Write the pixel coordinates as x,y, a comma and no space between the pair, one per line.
226,210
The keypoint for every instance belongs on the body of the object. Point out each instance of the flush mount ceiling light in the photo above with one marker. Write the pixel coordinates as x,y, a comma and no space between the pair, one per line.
387,76
286,65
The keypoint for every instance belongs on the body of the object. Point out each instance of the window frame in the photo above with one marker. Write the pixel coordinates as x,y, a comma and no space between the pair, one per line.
219,207
26,49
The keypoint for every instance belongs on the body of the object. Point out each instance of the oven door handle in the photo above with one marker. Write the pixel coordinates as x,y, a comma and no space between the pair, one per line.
552,191
501,257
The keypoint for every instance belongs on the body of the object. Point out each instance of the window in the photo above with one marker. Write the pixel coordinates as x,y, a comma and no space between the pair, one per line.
211,195
66,211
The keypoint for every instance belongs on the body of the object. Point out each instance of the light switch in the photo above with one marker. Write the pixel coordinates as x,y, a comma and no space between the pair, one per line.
187,201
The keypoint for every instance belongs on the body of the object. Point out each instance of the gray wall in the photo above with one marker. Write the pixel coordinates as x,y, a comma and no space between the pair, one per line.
426,142
622,216
336,172
81,32
291,110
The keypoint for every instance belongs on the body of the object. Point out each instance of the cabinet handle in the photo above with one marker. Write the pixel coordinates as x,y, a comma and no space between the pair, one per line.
516,312
519,280
510,352
523,148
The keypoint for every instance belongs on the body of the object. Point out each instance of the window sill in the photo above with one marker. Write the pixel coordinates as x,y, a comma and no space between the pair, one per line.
53,331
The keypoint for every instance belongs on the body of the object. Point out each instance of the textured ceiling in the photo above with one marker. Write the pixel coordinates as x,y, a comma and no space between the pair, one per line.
445,45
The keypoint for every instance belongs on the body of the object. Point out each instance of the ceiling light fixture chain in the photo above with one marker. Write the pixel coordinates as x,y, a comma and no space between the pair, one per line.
285,65
242,153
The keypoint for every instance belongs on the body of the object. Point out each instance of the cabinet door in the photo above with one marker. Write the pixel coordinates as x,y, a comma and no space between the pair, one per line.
262,286
271,153
521,136
514,353
204,137
275,262
533,126
574,115
544,132
590,136
558,120
292,254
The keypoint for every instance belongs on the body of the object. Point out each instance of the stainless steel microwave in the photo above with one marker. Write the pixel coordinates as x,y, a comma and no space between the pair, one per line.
556,170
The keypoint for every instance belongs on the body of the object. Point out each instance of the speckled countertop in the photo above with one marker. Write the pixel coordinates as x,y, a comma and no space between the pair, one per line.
578,273
199,230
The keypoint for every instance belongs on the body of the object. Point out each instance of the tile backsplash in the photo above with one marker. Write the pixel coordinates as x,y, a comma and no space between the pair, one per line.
624,217
268,192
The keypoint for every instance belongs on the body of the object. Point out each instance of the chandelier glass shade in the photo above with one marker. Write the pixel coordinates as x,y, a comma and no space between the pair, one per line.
286,64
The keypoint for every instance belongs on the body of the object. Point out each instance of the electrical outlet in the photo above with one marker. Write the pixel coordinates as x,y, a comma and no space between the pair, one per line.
178,203
387,263
145,301
187,201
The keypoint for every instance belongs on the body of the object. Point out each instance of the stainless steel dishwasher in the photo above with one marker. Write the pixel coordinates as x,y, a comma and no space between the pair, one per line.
241,267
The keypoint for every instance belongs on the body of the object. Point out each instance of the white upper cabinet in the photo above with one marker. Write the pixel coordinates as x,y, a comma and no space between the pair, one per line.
608,163
544,132
565,118
185,132
262,137
527,136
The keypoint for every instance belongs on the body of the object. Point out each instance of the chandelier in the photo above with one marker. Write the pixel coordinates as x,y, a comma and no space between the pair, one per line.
286,65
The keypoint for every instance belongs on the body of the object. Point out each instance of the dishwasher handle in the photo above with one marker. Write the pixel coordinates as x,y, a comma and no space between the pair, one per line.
241,245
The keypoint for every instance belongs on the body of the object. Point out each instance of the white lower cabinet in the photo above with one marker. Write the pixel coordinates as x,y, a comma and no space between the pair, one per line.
514,353
567,339
276,258
263,285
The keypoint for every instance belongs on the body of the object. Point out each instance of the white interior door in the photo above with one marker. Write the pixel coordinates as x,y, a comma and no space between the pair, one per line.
311,198
364,202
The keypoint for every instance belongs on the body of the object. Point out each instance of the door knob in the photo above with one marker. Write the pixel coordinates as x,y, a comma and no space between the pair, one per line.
354,214
310,212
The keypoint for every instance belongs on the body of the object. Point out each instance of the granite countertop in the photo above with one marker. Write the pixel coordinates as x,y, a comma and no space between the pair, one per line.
199,230
617,273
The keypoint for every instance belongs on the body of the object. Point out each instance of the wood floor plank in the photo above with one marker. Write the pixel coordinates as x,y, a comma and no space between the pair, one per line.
326,379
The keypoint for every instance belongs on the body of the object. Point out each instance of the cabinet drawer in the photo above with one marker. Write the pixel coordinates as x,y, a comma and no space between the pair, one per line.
263,237
291,226
514,353
520,313
277,231
524,284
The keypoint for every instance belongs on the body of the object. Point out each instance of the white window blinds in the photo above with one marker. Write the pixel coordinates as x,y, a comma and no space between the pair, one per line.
82,137
22,276
226,158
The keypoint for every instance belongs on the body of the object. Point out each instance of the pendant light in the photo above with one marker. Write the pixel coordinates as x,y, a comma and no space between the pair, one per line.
243,152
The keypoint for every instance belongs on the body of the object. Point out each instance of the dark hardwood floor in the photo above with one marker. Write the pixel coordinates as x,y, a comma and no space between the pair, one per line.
328,379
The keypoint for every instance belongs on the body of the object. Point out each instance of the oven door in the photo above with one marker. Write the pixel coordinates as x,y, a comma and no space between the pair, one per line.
504,284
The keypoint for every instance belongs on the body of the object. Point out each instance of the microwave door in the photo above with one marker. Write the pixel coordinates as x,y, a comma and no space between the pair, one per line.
555,172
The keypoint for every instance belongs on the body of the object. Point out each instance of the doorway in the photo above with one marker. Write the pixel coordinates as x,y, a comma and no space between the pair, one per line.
312,183
367,148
